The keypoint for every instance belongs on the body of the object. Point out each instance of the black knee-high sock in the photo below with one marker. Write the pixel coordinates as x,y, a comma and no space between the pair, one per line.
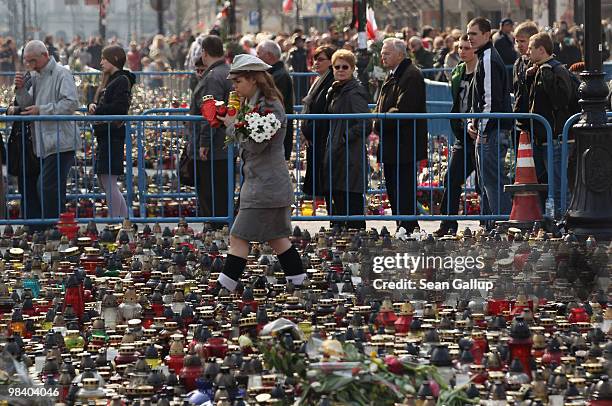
232,270
292,266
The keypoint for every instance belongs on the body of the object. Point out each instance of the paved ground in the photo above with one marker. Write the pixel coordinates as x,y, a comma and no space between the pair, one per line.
428,226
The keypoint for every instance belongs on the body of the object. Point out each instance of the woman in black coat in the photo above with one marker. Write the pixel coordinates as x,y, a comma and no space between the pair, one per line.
113,97
315,131
345,158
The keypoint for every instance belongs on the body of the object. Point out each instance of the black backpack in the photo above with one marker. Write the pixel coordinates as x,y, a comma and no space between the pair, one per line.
573,105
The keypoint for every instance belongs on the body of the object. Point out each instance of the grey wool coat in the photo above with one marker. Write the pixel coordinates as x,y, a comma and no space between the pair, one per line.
343,159
214,82
266,182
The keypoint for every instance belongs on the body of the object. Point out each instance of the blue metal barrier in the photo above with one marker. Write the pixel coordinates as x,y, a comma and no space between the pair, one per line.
131,121
174,135
607,68
564,155
429,116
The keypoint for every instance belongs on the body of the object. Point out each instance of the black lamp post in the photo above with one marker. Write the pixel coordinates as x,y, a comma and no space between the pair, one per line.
590,211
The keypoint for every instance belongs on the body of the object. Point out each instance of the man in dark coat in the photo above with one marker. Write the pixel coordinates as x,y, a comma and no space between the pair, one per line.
402,92
297,61
504,43
270,52
210,142
489,93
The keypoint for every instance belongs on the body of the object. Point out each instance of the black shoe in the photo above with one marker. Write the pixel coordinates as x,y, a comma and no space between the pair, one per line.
446,228
409,226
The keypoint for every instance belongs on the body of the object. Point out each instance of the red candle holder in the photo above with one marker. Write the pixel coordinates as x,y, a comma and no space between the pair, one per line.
67,225
215,347
495,307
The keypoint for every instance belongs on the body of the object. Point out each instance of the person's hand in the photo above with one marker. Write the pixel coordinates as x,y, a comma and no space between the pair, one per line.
227,120
203,152
19,82
92,108
31,111
473,133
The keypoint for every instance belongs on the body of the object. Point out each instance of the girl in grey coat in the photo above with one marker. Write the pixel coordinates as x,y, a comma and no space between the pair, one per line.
266,193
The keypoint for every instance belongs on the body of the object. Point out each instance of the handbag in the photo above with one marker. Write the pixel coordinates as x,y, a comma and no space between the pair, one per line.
186,169
17,140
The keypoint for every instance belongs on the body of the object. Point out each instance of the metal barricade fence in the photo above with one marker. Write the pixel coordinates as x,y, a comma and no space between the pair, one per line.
154,145
565,156
422,174
82,194
164,88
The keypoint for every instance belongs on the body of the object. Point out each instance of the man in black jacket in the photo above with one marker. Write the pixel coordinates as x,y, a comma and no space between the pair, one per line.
549,96
402,92
211,159
297,61
490,94
504,43
520,81
270,52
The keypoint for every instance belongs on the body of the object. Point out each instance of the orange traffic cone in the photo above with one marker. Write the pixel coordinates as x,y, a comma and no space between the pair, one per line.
525,201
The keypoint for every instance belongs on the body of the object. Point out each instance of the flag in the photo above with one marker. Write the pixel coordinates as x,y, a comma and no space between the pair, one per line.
287,6
371,26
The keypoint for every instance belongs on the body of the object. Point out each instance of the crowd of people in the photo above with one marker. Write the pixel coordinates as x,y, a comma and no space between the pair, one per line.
542,82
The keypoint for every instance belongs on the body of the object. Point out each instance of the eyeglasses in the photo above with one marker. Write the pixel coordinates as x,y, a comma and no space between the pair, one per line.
342,67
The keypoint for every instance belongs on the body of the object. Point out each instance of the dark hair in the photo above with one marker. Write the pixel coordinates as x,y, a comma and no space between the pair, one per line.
426,32
115,55
324,49
464,37
199,63
483,24
542,39
213,46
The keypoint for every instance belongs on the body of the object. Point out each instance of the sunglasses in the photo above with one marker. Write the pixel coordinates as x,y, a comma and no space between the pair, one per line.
342,67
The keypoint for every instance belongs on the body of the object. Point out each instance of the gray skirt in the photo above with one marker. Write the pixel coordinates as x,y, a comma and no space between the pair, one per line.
262,224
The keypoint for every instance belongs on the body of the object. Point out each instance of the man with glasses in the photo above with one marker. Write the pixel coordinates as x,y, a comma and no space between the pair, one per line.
490,93
402,92
53,92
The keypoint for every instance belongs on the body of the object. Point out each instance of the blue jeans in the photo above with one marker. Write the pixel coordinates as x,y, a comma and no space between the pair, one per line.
540,158
52,183
491,148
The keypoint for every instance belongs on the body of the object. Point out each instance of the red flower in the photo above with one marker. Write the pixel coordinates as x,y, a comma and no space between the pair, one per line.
394,365
240,124
268,111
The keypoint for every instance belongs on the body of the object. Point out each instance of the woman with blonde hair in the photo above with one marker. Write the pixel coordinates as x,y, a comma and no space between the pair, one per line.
266,194
113,97
160,49
344,156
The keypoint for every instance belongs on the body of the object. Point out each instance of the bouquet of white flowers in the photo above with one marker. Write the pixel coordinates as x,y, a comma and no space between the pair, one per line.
262,127
255,124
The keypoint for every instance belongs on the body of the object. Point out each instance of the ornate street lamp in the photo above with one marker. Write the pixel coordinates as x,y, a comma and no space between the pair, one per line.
590,211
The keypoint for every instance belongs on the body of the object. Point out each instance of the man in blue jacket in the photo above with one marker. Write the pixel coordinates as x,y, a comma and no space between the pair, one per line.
490,94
